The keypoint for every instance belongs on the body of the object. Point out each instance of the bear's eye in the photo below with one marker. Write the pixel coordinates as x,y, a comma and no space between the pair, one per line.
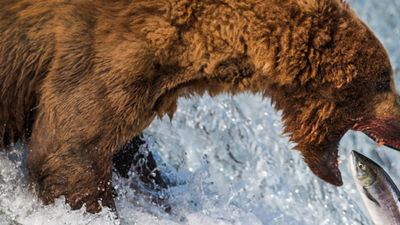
383,86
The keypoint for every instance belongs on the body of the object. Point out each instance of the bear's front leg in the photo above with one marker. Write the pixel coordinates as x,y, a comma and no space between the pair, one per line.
69,156
71,170
78,176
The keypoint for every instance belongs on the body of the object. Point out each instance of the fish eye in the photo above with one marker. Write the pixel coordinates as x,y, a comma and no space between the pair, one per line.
361,166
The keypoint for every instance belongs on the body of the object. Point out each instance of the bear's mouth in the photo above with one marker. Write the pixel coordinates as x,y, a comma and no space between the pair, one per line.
384,131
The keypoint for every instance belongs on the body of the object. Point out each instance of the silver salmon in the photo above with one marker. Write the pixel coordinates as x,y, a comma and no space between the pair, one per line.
378,192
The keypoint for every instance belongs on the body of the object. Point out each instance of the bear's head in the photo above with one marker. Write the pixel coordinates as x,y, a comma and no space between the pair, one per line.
341,79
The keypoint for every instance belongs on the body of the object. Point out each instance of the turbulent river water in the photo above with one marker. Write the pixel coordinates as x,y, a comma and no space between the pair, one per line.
227,163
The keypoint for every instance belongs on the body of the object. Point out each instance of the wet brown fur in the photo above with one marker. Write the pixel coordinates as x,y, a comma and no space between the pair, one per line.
85,77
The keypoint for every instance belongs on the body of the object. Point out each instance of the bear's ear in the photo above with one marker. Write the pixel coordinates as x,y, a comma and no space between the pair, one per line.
321,39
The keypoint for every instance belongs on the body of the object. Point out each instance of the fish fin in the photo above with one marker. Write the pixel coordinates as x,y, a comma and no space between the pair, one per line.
370,197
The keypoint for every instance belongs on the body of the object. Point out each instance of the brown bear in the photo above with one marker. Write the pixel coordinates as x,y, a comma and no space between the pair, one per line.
80,78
